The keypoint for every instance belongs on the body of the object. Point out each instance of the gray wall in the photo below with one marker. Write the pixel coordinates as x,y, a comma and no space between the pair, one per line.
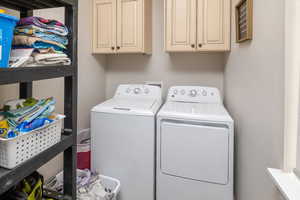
172,69
254,95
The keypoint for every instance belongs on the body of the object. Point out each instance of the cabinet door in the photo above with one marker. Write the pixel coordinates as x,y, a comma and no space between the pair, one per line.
129,26
213,25
180,25
104,33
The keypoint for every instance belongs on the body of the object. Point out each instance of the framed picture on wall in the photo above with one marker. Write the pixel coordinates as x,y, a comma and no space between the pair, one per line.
244,20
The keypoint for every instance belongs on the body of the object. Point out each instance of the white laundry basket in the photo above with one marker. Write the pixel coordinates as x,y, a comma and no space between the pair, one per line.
17,150
113,184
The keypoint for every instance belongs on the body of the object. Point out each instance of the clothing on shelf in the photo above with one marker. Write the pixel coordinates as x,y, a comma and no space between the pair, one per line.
47,50
45,37
22,116
90,186
48,25
20,57
36,42
38,59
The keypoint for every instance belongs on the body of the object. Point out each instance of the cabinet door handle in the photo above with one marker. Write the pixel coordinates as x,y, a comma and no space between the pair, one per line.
118,47
112,48
200,45
193,46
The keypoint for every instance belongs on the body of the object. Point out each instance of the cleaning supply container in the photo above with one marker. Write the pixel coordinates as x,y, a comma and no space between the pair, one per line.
7,25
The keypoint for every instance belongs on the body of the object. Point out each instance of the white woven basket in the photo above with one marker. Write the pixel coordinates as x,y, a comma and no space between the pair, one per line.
17,150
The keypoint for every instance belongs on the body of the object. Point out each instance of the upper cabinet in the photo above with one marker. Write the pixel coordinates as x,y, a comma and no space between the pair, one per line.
104,27
180,22
122,26
197,25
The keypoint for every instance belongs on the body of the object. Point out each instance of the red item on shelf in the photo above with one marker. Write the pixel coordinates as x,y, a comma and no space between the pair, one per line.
84,160
84,155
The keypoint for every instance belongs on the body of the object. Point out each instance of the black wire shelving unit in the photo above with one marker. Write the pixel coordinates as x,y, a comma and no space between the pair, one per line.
26,75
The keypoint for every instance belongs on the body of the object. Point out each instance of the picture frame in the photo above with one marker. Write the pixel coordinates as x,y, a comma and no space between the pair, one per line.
244,21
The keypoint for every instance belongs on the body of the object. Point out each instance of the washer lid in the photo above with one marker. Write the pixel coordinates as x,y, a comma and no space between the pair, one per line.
197,111
129,106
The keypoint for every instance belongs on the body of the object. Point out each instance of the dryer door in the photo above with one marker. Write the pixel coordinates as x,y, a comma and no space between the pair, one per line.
195,151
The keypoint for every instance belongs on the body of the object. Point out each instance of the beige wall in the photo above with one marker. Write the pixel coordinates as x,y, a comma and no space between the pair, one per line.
254,95
292,61
292,27
91,83
172,69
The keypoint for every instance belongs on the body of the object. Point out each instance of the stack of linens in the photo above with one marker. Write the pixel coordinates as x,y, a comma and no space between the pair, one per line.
47,37
25,115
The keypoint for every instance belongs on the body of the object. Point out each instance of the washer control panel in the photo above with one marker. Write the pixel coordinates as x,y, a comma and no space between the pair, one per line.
195,94
134,91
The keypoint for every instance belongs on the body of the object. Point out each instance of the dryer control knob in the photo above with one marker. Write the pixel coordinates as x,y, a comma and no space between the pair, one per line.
137,91
193,93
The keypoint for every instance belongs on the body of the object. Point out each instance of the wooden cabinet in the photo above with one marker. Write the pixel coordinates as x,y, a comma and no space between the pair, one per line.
104,33
122,26
180,24
197,25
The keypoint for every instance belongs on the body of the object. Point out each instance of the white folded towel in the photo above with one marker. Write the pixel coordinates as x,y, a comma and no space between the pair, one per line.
39,59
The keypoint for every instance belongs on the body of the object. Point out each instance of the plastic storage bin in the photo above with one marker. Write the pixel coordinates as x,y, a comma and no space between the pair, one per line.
7,25
17,150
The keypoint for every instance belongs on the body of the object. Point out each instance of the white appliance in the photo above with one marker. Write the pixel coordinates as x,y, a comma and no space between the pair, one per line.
123,139
195,144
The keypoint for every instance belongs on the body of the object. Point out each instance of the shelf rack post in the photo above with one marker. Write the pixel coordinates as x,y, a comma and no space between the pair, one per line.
70,162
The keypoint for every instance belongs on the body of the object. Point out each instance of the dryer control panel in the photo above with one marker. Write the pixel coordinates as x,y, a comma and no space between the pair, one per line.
194,94
138,91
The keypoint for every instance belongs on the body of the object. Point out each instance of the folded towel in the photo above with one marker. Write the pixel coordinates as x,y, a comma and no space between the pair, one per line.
49,59
48,25
21,41
29,113
31,41
32,29
43,35
48,50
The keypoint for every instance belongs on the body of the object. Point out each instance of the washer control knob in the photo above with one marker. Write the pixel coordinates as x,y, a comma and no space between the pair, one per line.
146,90
182,92
193,93
128,90
204,93
137,91
175,92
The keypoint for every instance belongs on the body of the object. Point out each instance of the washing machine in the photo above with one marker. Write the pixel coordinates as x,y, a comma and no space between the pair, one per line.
195,145
123,139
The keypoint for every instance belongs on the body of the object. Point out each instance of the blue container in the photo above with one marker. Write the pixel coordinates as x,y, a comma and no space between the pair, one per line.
7,25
